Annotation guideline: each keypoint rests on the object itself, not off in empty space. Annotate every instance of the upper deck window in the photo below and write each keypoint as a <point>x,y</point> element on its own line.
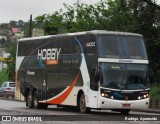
<point>122,47</point>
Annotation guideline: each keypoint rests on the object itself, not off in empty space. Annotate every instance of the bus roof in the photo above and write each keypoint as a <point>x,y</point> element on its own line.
<point>113,33</point>
<point>96,32</point>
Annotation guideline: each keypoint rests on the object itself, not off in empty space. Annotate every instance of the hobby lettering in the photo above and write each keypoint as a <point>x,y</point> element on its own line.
<point>48,54</point>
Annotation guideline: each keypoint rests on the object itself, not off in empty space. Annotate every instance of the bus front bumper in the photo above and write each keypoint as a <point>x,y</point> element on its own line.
<point>105,103</point>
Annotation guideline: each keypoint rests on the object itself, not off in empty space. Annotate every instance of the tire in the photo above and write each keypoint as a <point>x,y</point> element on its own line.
<point>125,111</point>
<point>36,104</point>
<point>35,101</point>
<point>26,101</point>
<point>29,100</point>
<point>82,105</point>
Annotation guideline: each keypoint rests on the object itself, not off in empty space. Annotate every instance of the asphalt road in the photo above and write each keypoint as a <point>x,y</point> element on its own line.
<point>19,112</point>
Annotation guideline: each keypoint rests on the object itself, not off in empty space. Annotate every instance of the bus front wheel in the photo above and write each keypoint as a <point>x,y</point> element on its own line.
<point>82,104</point>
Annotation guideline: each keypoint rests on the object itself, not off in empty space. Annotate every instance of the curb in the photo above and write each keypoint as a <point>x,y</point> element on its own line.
<point>149,110</point>
<point>10,99</point>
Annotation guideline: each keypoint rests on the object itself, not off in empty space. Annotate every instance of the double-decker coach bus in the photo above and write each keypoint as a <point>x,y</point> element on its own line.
<point>89,70</point>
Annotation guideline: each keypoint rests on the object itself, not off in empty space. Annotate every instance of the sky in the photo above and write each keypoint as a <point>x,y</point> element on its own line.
<point>22,9</point>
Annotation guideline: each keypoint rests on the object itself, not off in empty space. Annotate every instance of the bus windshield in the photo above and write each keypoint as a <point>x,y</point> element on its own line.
<point>124,76</point>
<point>122,47</point>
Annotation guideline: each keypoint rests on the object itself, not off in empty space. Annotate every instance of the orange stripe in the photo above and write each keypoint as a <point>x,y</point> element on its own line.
<point>62,97</point>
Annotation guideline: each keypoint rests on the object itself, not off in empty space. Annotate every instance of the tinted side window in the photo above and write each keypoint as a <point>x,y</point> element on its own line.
<point>68,45</point>
<point>26,48</point>
<point>20,48</point>
<point>58,78</point>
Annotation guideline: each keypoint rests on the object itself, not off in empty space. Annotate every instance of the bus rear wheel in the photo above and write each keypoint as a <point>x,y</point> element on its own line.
<point>30,100</point>
<point>82,104</point>
<point>36,104</point>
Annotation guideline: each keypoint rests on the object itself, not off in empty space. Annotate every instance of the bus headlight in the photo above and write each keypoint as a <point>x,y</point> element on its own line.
<point>145,96</point>
<point>104,94</point>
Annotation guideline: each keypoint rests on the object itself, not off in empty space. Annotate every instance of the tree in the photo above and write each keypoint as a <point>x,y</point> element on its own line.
<point>39,21</point>
<point>25,29</point>
<point>13,24</point>
<point>20,23</point>
<point>138,16</point>
<point>50,23</point>
<point>11,62</point>
<point>3,76</point>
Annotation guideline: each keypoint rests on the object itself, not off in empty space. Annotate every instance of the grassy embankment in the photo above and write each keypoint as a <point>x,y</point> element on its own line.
<point>155,96</point>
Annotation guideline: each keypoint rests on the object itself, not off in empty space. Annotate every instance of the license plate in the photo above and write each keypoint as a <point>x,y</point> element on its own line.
<point>126,105</point>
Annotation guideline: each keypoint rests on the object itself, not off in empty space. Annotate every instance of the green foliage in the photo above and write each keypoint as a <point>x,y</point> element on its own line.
<point>25,29</point>
<point>155,91</point>
<point>50,23</point>
<point>3,76</point>
<point>11,62</point>
<point>136,16</point>
<point>13,23</point>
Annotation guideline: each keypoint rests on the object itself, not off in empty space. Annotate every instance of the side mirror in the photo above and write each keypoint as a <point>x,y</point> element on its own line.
<point>151,76</point>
